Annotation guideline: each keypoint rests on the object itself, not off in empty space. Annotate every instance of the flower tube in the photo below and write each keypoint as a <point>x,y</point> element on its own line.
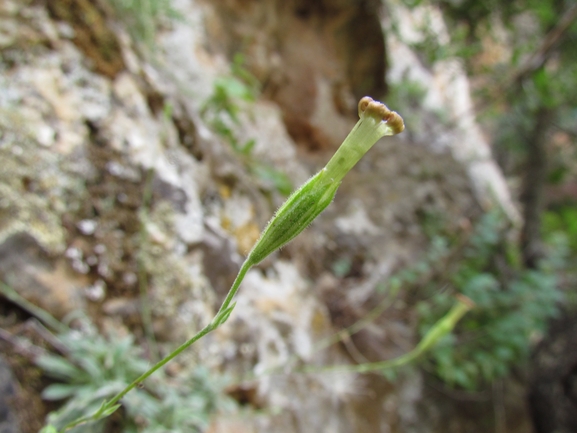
<point>307,202</point>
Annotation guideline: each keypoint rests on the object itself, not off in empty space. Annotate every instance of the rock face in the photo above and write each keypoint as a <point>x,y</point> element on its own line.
<point>111,176</point>
<point>8,418</point>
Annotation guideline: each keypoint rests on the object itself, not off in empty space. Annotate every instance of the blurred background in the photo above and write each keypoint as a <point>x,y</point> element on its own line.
<point>145,143</point>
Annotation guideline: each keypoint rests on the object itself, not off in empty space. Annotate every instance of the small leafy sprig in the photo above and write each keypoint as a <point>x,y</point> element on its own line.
<point>295,215</point>
<point>440,329</point>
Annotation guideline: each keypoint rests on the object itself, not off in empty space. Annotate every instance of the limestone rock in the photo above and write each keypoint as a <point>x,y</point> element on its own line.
<point>113,184</point>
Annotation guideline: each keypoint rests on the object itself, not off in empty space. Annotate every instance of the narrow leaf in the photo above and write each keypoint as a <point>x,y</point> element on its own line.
<point>58,391</point>
<point>59,367</point>
<point>110,411</point>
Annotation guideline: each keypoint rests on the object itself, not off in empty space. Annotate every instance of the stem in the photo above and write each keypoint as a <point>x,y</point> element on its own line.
<point>360,324</point>
<point>26,305</point>
<point>248,263</point>
<point>443,326</point>
<point>218,320</point>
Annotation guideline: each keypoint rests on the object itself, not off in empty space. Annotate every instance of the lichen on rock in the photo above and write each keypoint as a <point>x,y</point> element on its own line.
<point>31,188</point>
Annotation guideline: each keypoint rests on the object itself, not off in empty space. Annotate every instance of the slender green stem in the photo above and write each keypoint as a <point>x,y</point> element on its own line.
<point>248,263</point>
<point>443,327</point>
<point>109,404</point>
<point>220,317</point>
<point>359,324</point>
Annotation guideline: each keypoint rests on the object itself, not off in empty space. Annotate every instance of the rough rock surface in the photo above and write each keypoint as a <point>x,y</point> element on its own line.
<point>8,417</point>
<point>111,175</point>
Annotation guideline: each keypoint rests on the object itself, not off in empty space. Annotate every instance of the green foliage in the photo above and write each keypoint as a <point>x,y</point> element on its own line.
<point>562,221</point>
<point>513,305</point>
<point>143,17</point>
<point>271,176</point>
<point>535,72</point>
<point>421,269</point>
<point>183,406</point>
<point>231,95</point>
<point>408,96</point>
<point>560,232</point>
<point>96,368</point>
<point>529,88</point>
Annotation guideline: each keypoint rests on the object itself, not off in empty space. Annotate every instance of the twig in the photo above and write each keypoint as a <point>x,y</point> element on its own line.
<point>551,40</point>
<point>22,345</point>
<point>37,327</point>
<point>36,311</point>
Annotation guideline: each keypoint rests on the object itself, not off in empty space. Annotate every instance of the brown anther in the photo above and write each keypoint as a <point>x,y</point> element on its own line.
<point>379,110</point>
<point>371,107</point>
<point>395,121</point>
<point>364,103</point>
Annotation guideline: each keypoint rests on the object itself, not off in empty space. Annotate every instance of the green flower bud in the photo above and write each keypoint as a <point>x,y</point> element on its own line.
<point>300,209</point>
<point>306,203</point>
